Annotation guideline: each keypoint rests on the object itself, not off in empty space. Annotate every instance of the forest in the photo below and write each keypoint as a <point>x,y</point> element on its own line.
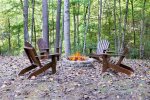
<point>74,49</point>
<point>119,21</point>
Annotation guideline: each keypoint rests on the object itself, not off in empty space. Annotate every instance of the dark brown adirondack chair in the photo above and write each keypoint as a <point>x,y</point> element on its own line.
<point>115,65</point>
<point>35,61</point>
<point>43,48</point>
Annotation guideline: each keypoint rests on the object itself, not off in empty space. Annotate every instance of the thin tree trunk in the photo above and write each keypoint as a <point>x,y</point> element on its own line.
<point>53,34</point>
<point>106,15</point>
<point>99,19</point>
<point>25,14</point>
<point>109,18</point>
<point>142,31</point>
<point>32,23</point>
<point>125,22</point>
<point>35,34</point>
<point>115,37</point>
<point>62,36</point>
<point>133,21</point>
<point>21,4</point>
<point>18,37</point>
<point>78,24</point>
<point>45,22</point>
<point>120,27</point>
<point>58,24</point>
<point>98,23</point>
<point>9,35</point>
<point>67,28</point>
<point>19,26</point>
<point>75,33</point>
<point>86,25</point>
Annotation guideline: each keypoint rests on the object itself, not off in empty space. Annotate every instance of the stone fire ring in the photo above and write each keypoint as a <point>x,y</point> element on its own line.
<point>69,63</point>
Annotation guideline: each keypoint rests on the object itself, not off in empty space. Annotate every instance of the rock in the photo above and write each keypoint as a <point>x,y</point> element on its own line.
<point>86,96</point>
<point>33,77</point>
<point>3,86</point>
<point>70,89</point>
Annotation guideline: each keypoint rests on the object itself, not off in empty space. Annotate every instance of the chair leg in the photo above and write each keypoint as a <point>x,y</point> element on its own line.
<point>27,69</point>
<point>127,67</point>
<point>105,63</point>
<point>41,70</point>
<point>58,58</point>
<point>54,61</point>
<point>120,69</point>
<point>53,68</point>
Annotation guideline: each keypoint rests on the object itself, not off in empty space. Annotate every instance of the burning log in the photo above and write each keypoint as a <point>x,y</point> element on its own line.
<point>77,57</point>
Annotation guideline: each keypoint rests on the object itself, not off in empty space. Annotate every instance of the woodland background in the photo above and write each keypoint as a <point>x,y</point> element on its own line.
<point>119,21</point>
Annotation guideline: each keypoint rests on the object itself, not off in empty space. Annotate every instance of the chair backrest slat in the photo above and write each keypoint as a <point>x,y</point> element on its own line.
<point>41,44</point>
<point>31,53</point>
<point>102,46</point>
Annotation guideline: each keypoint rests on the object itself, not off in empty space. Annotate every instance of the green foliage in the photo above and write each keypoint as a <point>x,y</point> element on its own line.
<point>134,53</point>
<point>147,49</point>
<point>12,10</point>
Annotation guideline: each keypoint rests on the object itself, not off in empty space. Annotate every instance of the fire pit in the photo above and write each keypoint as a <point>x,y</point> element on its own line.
<point>77,60</point>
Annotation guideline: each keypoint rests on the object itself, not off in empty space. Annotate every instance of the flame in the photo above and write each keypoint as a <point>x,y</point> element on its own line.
<point>77,57</point>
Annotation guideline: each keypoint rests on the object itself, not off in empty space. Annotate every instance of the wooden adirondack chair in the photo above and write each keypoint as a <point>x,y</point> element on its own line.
<point>107,63</point>
<point>102,47</point>
<point>43,48</point>
<point>35,61</point>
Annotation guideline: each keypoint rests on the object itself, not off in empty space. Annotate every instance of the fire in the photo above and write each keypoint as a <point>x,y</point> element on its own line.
<point>77,57</point>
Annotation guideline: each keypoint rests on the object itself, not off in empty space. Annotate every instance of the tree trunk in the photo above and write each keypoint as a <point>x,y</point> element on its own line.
<point>142,31</point>
<point>32,23</point>
<point>9,36</point>
<point>120,27</point>
<point>125,22</point>
<point>21,4</point>
<point>78,24</point>
<point>67,28</point>
<point>133,20</point>
<point>45,22</point>
<point>19,25</point>
<point>25,14</point>
<point>109,18</point>
<point>18,37</point>
<point>74,20</point>
<point>62,35</point>
<point>53,27</point>
<point>99,19</point>
<point>86,24</point>
<point>115,35</point>
<point>34,35</point>
<point>58,24</point>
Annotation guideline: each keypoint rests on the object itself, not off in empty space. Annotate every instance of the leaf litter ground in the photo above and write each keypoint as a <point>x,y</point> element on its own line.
<point>74,83</point>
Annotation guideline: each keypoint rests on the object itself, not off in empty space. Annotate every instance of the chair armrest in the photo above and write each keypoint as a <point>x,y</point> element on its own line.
<point>48,48</point>
<point>44,48</point>
<point>115,55</point>
<point>55,54</point>
<point>110,51</point>
<point>39,56</point>
<point>91,48</point>
<point>42,52</point>
<point>49,55</point>
<point>56,47</point>
<point>97,55</point>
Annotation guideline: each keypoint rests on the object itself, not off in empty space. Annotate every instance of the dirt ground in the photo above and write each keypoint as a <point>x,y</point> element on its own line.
<point>73,83</point>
